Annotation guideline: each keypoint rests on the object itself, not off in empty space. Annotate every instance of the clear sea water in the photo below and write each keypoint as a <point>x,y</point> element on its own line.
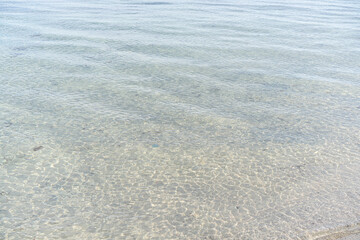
<point>183,119</point>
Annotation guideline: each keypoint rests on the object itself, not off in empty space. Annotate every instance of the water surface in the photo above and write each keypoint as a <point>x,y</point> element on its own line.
<point>179,120</point>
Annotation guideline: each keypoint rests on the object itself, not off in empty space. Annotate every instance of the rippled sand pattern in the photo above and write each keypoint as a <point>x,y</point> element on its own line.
<point>179,120</point>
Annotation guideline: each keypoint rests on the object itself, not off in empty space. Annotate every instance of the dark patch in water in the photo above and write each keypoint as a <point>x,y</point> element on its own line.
<point>7,124</point>
<point>38,148</point>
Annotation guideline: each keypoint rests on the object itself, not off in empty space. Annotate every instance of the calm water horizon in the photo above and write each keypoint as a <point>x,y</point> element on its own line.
<point>179,119</point>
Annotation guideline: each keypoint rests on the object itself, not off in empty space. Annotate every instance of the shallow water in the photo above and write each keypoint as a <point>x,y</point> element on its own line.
<point>179,120</point>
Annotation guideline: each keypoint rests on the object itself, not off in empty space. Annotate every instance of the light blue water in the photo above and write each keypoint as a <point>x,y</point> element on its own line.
<point>179,120</point>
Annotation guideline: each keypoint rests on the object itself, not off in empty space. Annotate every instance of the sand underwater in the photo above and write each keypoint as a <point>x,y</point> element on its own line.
<point>179,120</point>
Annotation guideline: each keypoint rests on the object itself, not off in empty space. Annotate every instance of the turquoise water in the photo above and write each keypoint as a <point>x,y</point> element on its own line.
<point>179,120</point>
